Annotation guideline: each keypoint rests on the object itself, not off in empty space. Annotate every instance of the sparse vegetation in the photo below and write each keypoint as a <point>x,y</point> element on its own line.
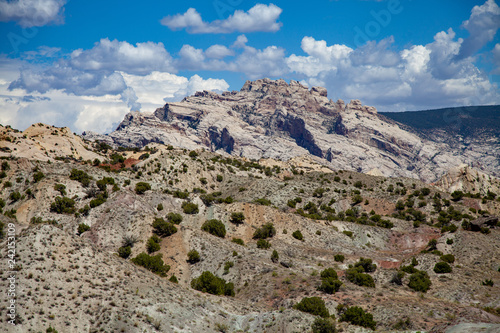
<point>209,283</point>
<point>63,205</point>
<point>263,244</point>
<point>124,252</point>
<point>190,208</point>
<point>339,258</point>
<point>193,256</point>
<point>313,305</point>
<point>163,228</point>
<point>297,235</point>
<point>330,283</point>
<point>153,263</point>
<point>266,231</point>
<point>153,244</point>
<point>238,241</point>
<point>419,281</point>
<point>442,267</point>
<point>174,218</point>
<point>237,217</point>
<point>214,227</point>
<point>80,176</point>
<point>323,325</point>
<point>142,187</point>
<point>82,227</point>
<point>356,316</point>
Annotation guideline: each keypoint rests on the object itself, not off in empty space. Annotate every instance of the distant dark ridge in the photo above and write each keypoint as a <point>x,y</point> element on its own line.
<point>466,120</point>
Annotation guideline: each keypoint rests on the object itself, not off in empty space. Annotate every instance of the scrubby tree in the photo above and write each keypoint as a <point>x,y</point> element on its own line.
<point>275,256</point>
<point>63,205</point>
<point>442,267</point>
<point>153,244</point>
<point>60,188</point>
<point>263,244</point>
<point>193,256</point>
<point>313,305</point>
<point>38,176</point>
<point>142,187</point>
<point>356,316</point>
<point>330,285</point>
<point>457,195</point>
<point>449,258</point>
<point>82,227</point>
<point>237,217</point>
<point>356,276</point>
<point>367,265</point>
<point>339,258</point>
<point>124,252</point>
<point>153,263</point>
<point>397,278</point>
<point>238,241</point>
<point>266,231</point>
<point>15,196</point>
<point>212,284</point>
<point>419,281</point>
<point>163,228</point>
<point>298,235</point>
<point>190,208</point>
<point>80,176</point>
<point>174,218</point>
<point>214,227</point>
<point>323,325</point>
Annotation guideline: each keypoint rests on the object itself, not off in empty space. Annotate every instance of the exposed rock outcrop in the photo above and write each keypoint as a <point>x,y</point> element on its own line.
<point>468,179</point>
<point>45,143</point>
<point>274,119</point>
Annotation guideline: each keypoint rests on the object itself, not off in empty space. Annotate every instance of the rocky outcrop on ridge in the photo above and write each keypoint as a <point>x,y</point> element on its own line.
<point>274,119</point>
<point>467,179</point>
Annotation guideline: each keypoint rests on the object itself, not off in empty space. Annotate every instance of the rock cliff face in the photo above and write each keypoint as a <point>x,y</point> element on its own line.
<point>274,119</point>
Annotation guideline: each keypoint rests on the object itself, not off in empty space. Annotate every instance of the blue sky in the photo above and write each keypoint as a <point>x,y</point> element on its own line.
<point>85,64</point>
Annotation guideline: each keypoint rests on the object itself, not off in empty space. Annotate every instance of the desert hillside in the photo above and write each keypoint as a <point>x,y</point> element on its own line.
<point>116,240</point>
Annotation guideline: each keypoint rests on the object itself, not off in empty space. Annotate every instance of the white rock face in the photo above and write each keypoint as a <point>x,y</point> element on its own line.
<point>273,119</point>
<point>467,179</point>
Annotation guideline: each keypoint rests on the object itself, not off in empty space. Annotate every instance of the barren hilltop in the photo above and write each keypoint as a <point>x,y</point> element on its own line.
<point>265,210</point>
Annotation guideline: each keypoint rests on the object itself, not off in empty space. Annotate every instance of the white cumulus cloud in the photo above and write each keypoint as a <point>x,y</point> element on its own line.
<point>258,18</point>
<point>32,13</point>
<point>482,27</point>
<point>87,96</point>
<point>113,55</point>
<point>496,59</point>
<point>218,52</point>
<point>421,76</point>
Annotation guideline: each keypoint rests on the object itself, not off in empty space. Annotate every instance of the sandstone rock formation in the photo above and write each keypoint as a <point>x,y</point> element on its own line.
<point>467,179</point>
<point>274,119</point>
<point>44,143</point>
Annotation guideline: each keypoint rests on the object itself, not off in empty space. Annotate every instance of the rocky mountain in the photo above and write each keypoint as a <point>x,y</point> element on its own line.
<point>274,119</point>
<point>472,130</point>
<point>166,239</point>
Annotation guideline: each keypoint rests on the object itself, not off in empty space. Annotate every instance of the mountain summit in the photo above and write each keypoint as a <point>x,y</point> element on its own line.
<point>280,120</point>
